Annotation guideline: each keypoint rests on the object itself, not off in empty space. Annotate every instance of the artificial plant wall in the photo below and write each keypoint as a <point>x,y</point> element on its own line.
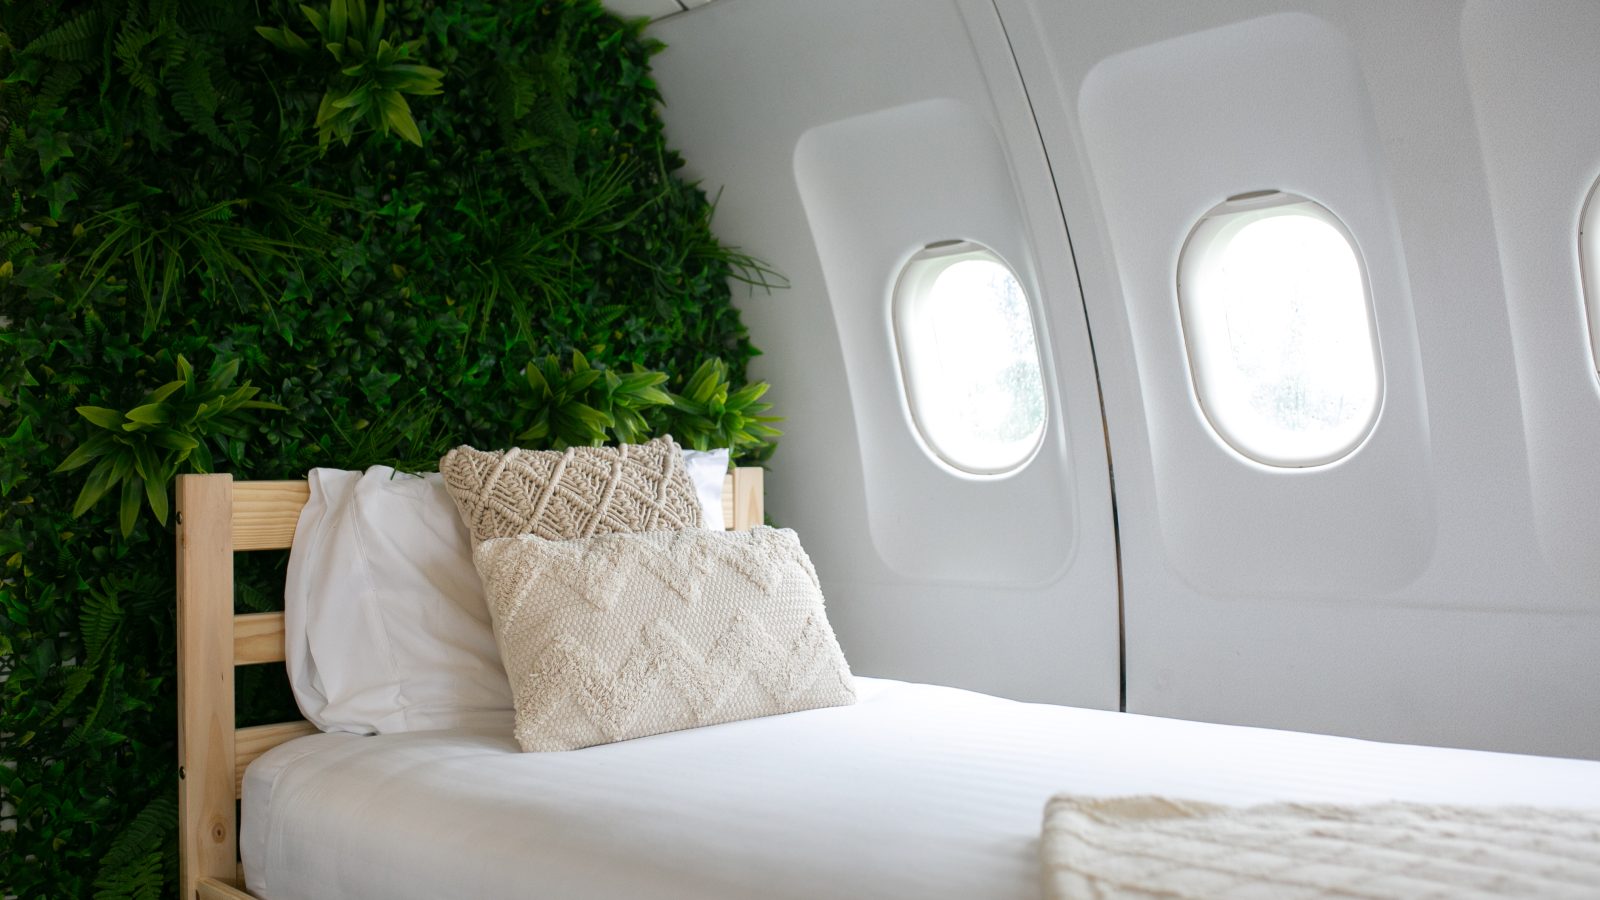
<point>258,237</point>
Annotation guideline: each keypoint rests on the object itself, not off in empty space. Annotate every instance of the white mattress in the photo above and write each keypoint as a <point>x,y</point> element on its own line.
<point>916,791</point>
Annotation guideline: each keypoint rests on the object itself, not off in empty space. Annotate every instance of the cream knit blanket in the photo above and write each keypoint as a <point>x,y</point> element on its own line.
<point>1149,847</point>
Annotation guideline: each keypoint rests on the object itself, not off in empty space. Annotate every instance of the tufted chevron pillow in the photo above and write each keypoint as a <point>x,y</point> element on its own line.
<point>624,635</point>
<point>573,493</point>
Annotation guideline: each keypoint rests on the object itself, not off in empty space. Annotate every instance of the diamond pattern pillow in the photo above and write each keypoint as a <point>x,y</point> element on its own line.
<point>573,493</point>
<point>625,635</point>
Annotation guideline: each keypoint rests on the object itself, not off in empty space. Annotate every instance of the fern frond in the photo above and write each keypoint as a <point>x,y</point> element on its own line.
<point>145,833</point>
<point>76,681</point>
<point>129,51</point>
<point>98,619</point>
<point>196,99</point>
<point>88,724</point>
<point>75,40</point>
<point>56,85</point>
<point>141,879</point>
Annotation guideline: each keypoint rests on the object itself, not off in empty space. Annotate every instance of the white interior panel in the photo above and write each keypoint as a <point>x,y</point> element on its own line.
<point>846,137</point>
<point>1172,129</point>
<point>1535,98</point>
<point>876,189</point>
<point>1429,587</point>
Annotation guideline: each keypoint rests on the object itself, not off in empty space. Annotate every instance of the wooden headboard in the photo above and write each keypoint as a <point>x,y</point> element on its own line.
<point>217,517</point>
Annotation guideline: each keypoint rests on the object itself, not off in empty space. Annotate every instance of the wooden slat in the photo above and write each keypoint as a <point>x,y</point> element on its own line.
<point>207,825</point>
<point>265,513</point>
<point>217,889</point>
<point>257,638</point>
<point>251,742</point>
<point>748,482</point>
<point>727,502</point>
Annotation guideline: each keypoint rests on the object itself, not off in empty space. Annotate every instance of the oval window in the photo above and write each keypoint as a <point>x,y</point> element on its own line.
<point>970,358</point>
<point>1589,263</point>
<point>1278,323</point>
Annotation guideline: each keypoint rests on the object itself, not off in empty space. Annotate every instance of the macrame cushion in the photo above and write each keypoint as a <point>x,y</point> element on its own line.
<point>573,493</point>
<point>625,635</point>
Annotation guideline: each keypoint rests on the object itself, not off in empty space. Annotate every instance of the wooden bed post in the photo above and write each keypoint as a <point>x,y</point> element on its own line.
<point>207,826</point>
<point>216,517</point>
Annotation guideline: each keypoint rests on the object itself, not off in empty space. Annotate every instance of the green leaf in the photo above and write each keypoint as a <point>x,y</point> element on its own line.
<point>284,39</point>
<point>52,147</point>
<point>156,493</point>
<point>536,381</point>
<point>398,116</point>
<point>132,496</point>
<point>104,418</point>
<point>94,487</point>
<point>90,450</point>
<point>149,414</point>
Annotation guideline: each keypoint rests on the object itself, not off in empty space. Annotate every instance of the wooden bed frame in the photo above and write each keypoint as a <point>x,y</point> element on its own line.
<point>216,518</point>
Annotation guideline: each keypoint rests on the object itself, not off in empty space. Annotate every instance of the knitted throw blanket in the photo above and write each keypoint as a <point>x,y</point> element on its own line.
<point>1149,847</point>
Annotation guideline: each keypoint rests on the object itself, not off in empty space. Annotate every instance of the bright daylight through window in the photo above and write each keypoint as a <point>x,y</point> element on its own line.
<point>1278,323</point>
<point>970,358</point>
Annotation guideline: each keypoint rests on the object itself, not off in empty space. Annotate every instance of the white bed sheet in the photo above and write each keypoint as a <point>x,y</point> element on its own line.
<point>914,792</point>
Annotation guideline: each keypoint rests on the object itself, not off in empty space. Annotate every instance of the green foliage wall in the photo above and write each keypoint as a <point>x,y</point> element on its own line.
<point>255,238</point>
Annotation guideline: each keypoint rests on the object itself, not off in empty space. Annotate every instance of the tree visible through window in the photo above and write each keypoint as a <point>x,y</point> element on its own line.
<point>1279,330</point>
<point>970,358</point>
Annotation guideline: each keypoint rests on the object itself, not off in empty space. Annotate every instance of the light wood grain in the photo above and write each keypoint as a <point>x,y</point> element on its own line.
<point>748,504</point>
<point>207,824</point>
<point>258,638</point>
<point>215,518</point>
<point>265,513</point>
<point>217,889</point>
<point>250,743</point>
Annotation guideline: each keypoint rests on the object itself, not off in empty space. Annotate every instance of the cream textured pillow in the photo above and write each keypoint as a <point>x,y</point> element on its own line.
<point>573,493</point>
<point>623,635</point>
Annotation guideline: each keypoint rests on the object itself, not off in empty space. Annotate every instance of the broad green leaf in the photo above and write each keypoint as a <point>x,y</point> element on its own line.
<point>284,39</point>
<point>317,20</point>
<point>132,496</point>
<point>165,391</point>
<point>94,487</point>
<point>172,440</point>
<point>222,376</point>
<point>536,381</point>
<point>94,448</point>
<point>105,418</point>
<point>398,115</point>
<point>149,414</point>
<point>747,395</point>
<point>156,492</point>
<point>587,414</point>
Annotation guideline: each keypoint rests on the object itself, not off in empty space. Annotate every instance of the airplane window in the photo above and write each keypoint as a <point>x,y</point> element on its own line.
<point>970,357</point>
<point>1278,323</point>
<point>1589,262</point>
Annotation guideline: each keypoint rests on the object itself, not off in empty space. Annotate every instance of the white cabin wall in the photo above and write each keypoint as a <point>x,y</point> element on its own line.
<point>846,137</point>
<point>1411,591</point>
<point>1439,585</point>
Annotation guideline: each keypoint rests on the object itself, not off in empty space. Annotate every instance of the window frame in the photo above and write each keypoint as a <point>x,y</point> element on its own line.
<point>913,284</point>
<point>1200,250</point>
<point>1589,269</point>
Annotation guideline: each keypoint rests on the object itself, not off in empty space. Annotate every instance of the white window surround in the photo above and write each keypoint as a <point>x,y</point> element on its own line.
<point>1589,266</point>
<point>968,348</point>
<point>1278,323</point>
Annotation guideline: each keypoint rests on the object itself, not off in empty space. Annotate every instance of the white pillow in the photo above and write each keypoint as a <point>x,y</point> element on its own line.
<point>708,469</point>
<point>386,628</point>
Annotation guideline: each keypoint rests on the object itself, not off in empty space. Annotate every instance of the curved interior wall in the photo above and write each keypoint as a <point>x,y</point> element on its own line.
<point>849,136</point>
<point>1438,585</point>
